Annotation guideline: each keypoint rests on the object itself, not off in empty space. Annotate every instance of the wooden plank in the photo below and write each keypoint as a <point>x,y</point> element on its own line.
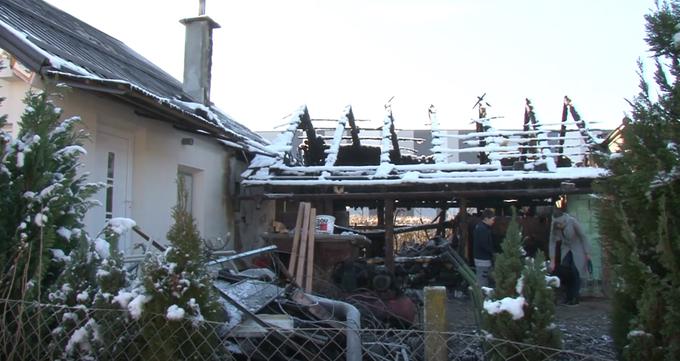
<point>296,238</point>
<point>302,254</point>
<point>389,234</point>
<point>310,251</point>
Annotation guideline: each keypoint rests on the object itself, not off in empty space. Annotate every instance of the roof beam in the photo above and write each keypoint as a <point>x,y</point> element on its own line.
<point>437,138</point>
<point>332,155</point>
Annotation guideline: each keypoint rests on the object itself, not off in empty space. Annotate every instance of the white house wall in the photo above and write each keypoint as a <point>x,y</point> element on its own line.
<point>13,90</point>
<point>157,154</point>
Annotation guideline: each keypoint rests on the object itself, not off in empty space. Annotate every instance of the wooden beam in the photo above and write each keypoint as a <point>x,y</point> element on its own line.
<point>300,268</point>
<point>356,142</point>
<point>389,234</point>
<point>431,195</point>
<point>464,234</point>
<point>310,251</point>
<point>296,238</point>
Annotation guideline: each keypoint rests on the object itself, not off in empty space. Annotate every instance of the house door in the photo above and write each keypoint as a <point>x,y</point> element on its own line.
<point>113,168</point>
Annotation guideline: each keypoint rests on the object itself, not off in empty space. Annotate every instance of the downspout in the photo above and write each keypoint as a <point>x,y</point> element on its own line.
<point>352,318</point>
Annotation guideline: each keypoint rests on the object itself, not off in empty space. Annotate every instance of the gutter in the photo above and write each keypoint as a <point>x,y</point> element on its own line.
<point>17,46</point>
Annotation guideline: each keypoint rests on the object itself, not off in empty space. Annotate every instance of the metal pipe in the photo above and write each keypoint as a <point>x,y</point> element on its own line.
<point>352,318</point>
<point>242,255</point>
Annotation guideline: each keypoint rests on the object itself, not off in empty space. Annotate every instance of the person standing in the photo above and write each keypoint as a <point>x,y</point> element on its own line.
<point>483,248</point>
<point>567,238</point>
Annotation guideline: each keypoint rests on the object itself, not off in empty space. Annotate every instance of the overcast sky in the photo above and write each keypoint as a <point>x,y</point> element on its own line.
<point>271,56</point>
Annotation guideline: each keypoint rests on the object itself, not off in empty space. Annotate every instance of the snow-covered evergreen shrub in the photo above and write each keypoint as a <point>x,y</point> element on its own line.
<point>93,323</point>
<point>176,296</point>
<point>640,201</point>
<point>43,200</point>
<point>521,307</point>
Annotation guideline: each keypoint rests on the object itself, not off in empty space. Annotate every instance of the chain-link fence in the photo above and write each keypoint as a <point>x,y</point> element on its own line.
<point>32,331</point>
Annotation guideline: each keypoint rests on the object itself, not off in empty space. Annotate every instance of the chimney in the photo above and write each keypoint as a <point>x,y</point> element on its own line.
<point>198,55</point>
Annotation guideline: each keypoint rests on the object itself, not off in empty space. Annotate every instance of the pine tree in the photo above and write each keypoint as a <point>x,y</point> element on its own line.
<point>178,296</point>
<point>638,214</point>
<point>43,199</point>
<point>521,306</point>
<point>92,277</point>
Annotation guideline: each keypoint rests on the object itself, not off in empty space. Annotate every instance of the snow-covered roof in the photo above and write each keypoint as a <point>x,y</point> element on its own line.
<point>532,157</point>
<point>58,45</point>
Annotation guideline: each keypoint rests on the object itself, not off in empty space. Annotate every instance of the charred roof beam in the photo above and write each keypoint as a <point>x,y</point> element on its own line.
<point>332,156</point>
<point>314,145</point>
<point>356,142</point>
<point>437,138</point>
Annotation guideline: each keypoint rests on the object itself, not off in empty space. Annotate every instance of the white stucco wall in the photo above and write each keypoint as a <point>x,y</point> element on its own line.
<point>13,90</point>
<point>156,153</point>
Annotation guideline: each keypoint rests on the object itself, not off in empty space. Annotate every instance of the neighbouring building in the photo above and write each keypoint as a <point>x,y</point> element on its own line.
<point>146,128</point>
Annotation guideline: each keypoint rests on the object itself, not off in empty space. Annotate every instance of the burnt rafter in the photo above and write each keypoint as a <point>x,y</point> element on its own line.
<point>530,124</point>
<point>354,129</point>
<point>333,152</point>
<point>480,125</point>
<point>437,136</point>
<point>524,158</point>
<point>395,153</point>
<point>313,146</point>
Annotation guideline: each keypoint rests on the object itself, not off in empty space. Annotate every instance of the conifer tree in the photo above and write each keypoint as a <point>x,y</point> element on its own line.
<point>91,279</point>
<point>178,295</point>
<point>521,306</point>
<point>43,200</point>
<point>641,197</point>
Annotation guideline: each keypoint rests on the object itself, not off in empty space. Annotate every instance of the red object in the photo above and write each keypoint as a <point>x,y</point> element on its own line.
<point>402,307</point>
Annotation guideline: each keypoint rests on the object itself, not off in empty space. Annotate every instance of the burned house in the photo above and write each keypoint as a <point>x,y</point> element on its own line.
<point>337,168</point>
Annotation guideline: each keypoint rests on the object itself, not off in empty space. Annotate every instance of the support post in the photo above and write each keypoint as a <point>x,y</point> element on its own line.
<point>389,234</point>
<point>435,323</point>
<point>463,246</point>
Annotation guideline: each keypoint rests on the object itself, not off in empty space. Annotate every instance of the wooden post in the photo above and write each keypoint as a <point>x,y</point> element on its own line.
<point>300,269</point>
<point>464,236</point>
<point>389,234</point>
<point>435,323</point>
<point>310,251</point>
<point>295,247</point>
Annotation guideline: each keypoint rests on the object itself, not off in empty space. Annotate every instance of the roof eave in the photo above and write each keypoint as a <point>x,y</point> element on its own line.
<point>25,53</point>
<point>141,99</point>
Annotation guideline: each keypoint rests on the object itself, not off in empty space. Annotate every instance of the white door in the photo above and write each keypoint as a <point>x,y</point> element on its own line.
<point>112,166</point>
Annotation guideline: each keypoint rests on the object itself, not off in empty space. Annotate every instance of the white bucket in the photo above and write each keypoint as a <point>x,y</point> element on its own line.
<point>325,224</point>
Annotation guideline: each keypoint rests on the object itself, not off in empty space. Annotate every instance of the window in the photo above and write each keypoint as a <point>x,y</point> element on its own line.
<point>186,179</point>
<point>109,185</point>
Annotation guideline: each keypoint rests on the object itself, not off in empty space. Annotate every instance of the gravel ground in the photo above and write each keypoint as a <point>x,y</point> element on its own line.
<point>585,327</point>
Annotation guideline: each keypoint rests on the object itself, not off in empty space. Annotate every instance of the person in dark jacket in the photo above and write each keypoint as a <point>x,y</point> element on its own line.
<point>483,248</point>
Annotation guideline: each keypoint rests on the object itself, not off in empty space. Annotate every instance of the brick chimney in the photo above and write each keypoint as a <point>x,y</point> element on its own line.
<point>198,55</point>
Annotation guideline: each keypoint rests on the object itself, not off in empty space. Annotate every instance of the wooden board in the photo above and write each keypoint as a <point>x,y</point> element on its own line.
<point>296,238</point>
<point>302,254</point>
<point>310,251</point>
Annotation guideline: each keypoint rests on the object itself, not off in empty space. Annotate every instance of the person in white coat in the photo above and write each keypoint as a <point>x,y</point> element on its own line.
<point>574,251</point>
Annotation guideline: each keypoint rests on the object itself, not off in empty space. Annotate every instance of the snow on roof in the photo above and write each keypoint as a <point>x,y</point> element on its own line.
<point>532,154</point>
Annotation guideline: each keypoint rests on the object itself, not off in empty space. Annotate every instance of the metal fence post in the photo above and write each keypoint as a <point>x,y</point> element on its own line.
<point>435,323</point>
